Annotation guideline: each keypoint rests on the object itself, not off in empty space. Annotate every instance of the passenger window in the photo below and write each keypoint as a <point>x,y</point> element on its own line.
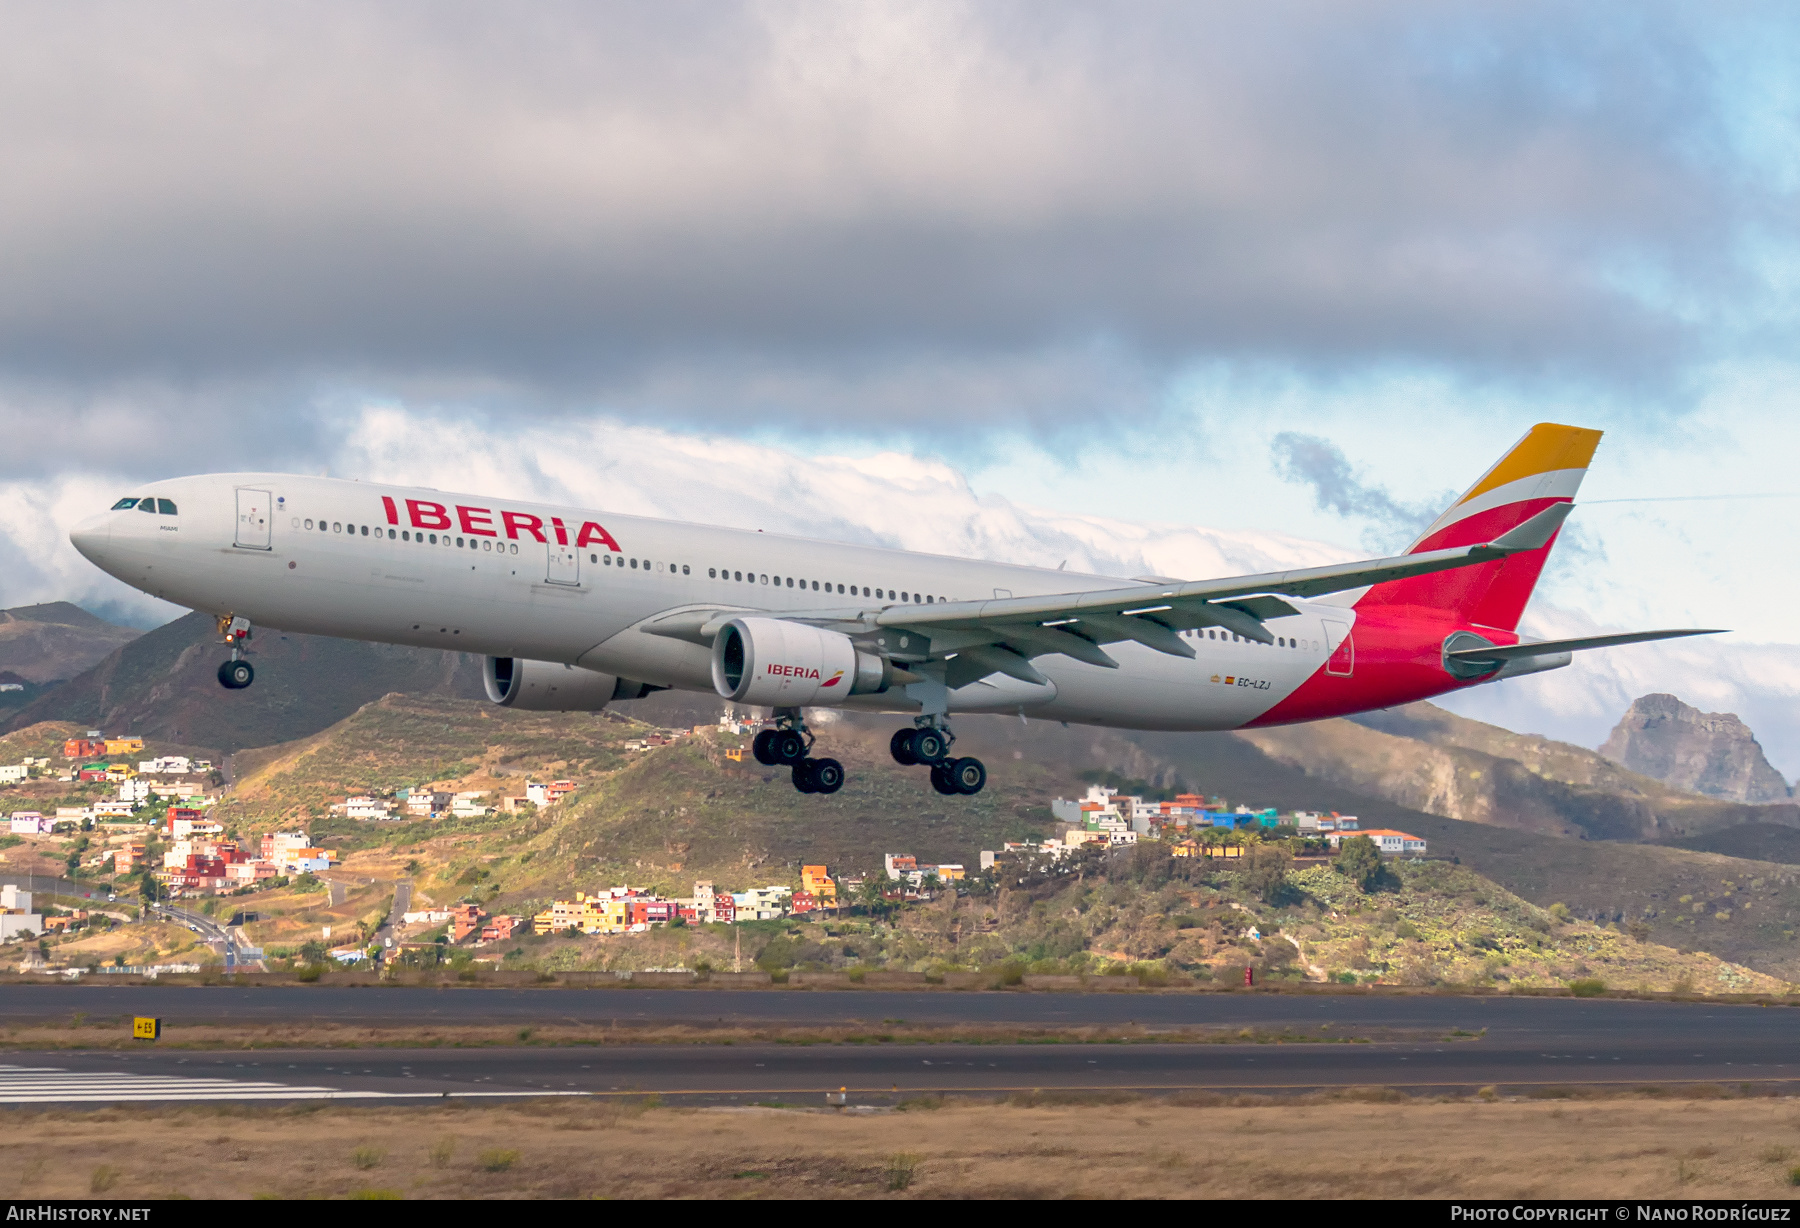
<point>790,582</point>
<point>365,530</point>
<point>122,504</point>
<point>390,535</point>
<point>166,506</point>
<point>737,575</point>
<point>336,527</point>
<point>593,558</point>
<point>634,564</point>
<point>434,539</point>
<point>712,573</point>
<point>684,569</point>
<point>309,523</point>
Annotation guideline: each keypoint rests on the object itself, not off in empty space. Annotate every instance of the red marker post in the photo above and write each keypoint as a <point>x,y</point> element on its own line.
<point>1249,975</point>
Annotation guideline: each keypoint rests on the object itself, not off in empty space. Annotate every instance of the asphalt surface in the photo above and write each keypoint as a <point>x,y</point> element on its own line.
<point>804,1074</point>
<point>1574,1020</point>
<point>1521,1043</point>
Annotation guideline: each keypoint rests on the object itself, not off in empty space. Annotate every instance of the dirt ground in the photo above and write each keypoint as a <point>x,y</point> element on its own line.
<point>1636,1147</point>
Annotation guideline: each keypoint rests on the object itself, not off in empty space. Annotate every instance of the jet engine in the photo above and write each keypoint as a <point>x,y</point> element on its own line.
<point>548,686</point>
<point>779,664</point>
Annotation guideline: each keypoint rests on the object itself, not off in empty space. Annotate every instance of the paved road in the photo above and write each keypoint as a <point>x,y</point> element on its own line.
<point>1562,1020</point>
<point>222,939</point>
<point>1527,1042</point>
<point>803,1074</point>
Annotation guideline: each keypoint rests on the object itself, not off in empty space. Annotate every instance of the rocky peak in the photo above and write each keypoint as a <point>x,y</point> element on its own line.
<point>1713,753</point>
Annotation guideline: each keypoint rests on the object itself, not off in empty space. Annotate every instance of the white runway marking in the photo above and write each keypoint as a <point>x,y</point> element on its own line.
<point>53,1085</point>
<point>47,1084</point>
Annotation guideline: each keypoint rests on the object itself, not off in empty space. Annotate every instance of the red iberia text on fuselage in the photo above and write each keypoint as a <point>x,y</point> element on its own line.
<point>479,522</point>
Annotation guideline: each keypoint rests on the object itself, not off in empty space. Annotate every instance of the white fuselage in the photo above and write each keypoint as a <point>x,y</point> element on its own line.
<point>506,578</point>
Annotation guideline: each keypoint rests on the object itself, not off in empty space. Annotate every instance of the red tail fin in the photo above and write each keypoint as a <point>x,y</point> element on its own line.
<point>1543,468</point>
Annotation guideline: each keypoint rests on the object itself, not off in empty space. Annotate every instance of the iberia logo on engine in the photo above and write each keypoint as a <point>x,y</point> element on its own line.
<point>831,681</point>
<point>793,671</point>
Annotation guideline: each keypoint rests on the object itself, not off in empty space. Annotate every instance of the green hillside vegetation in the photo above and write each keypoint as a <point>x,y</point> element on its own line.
<point>663,818</point>
<point>1139,912</point>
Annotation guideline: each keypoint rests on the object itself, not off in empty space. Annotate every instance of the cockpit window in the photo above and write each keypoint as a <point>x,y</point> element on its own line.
<point>147,505</point>
<point>166,506</point>
<point>122,504</point>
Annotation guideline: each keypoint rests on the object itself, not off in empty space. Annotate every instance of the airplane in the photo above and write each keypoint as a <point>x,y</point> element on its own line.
<point>575,609</point>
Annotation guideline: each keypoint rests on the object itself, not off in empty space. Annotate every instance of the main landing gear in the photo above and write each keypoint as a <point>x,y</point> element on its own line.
<point>930,744</point>
<point>235,674</point>
<point>789,743</point>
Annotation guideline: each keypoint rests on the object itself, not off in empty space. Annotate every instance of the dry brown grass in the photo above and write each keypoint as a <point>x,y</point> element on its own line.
<point>1635,1147</point>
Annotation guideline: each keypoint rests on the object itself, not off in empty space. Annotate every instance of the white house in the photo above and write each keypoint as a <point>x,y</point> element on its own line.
<point>28,823</point>
<point>16,918</point>
<point>13,773</point>
<point>1388,841</point>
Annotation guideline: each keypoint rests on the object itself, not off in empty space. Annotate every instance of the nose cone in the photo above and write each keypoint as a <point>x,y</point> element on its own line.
<point>91,536</point>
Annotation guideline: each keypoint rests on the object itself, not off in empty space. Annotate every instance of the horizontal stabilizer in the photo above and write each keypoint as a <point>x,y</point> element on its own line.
<point>1513,652</point>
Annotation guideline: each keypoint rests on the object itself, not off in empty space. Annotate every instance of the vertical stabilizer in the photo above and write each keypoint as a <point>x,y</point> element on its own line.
<point>1543,468</point>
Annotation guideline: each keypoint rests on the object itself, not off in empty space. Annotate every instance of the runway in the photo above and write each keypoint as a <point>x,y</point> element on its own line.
<point>1520,1043</point>
<point>1563,1020</point>
<point>882,1073</point>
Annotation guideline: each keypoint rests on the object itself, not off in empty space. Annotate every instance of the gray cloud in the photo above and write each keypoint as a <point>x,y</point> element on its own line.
<point>1321,464</point>
<point>943,215</point>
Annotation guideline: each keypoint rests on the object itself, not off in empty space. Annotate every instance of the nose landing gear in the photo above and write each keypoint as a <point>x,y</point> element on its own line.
<point>788,743</point>
<point>930,744</point>
<point>235,674</point>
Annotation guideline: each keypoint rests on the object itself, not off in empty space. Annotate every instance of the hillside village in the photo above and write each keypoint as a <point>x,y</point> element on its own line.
<point>396,875</point>
<point>392,820</point>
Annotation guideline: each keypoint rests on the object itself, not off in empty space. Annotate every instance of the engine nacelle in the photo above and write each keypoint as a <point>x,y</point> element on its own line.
<point>548,686</point>
<point>779,664</point>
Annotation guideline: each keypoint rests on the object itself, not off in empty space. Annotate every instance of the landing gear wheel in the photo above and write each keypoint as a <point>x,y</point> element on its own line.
<point>803,777</point>
<point>788,745</point>
<point>236,675</point>
<point>928,745</point>
<point>900,747</point>
<point>763,747</point>
<point>942,780</point>
<point>827,775</point>
<point>968,775</point>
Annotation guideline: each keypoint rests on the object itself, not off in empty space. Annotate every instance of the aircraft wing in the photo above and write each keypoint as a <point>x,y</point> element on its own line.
<point>974,639</point>
<point>1002,635</point>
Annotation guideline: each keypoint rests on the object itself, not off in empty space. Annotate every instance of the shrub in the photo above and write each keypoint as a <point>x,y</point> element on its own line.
<point>367,1157</point>
<point>103,1179</point>
<point>1360,861</point>
<point>442,1150</point>
<point>498,1161</point>
<point>375,1195</point>
<point>1406,929</point>
<point>900,1170</point>
<point>1587,987</point>
<point>309,975</point>
<point>1794,1176</point>
<point>1559,912</point>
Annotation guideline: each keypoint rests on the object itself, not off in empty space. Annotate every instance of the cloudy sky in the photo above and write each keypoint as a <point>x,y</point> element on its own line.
<point>1187,287</point>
